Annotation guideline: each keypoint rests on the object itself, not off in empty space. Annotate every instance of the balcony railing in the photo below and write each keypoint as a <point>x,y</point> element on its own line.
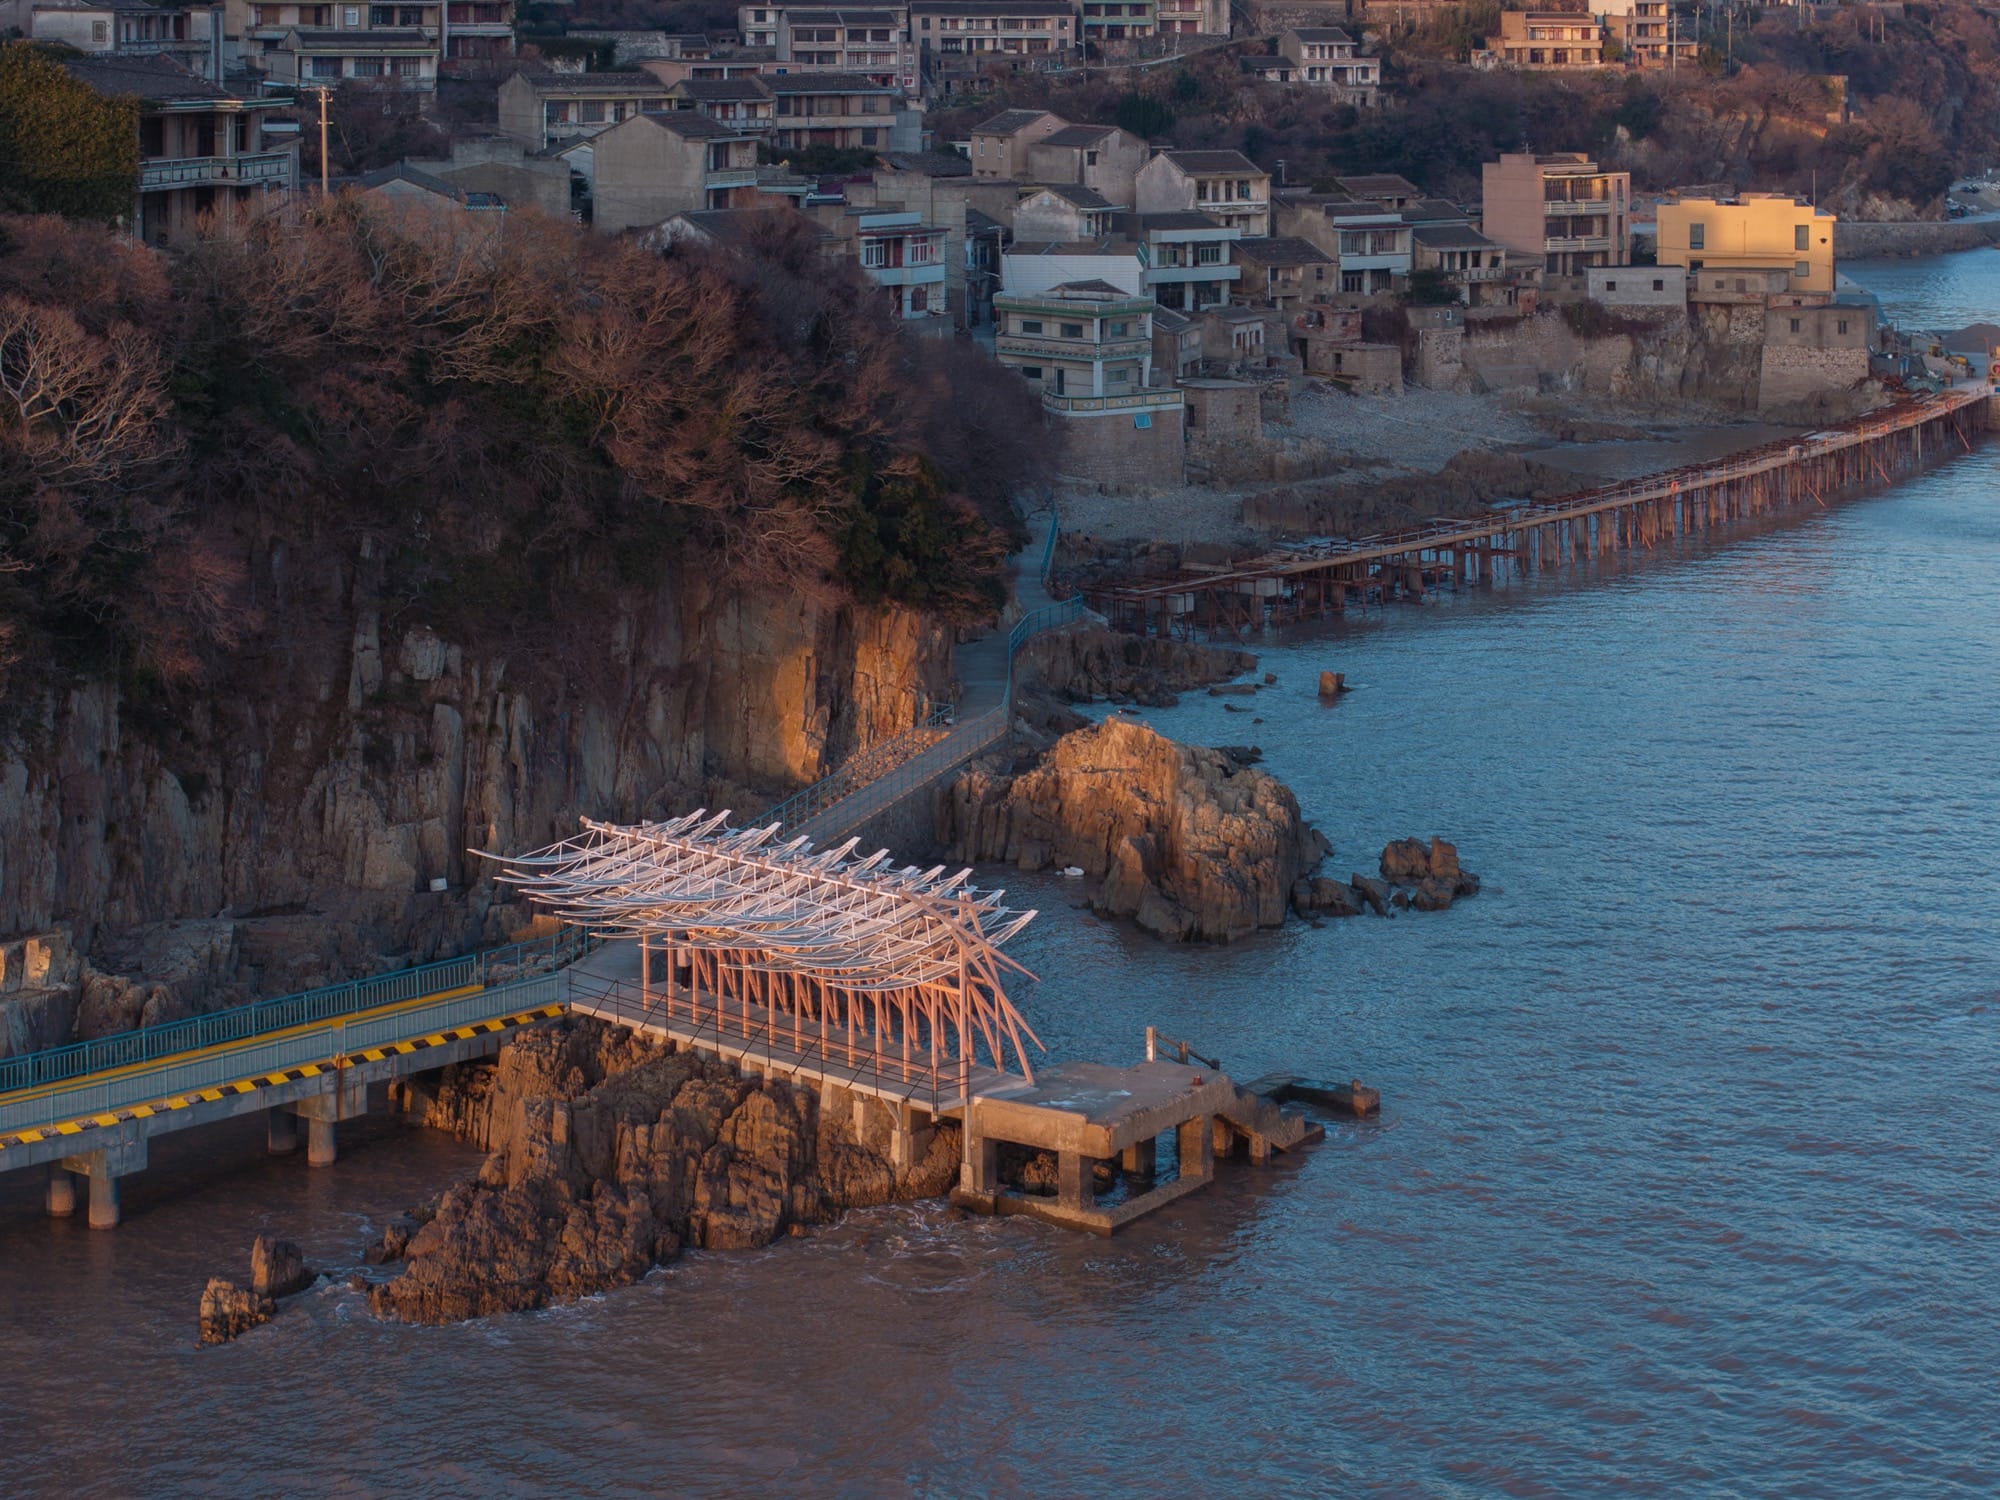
<point>1137,401</point>
<point>200,171</point>
<point>731,177</point>
<point>1058,348</point>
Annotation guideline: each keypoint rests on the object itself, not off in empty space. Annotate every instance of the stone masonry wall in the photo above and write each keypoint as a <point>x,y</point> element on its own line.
<point>1109,450</point>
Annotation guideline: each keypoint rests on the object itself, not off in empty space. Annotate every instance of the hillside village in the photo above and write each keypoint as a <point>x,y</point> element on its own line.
<point>1166,302</point>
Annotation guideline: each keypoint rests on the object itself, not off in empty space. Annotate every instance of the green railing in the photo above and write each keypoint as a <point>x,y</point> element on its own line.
<point>55,1065</point>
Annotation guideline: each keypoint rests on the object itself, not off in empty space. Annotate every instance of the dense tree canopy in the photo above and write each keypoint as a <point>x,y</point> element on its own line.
<point>521,421</point>
<point>64,149</point>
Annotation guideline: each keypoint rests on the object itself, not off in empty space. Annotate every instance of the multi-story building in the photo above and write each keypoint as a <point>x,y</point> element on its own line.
<point>1373,243</point>
<point>653,166</point>
<point>1191,17</point>
<point>202,148</point>
<point>872,43</point>
<point>1028,267</point>
<point>1190,257</point>
<point>1063,213</point>
<point>388,57</point>
<point>1649,34</point>
<point>1324,57</point>
<point>1284,272</point>
<point>543,109</point>
<point>478,36</point>
<point>190,34</point>
<point>1077,339</point>
<point>758,24</point>
<point>1113,23</point>
<point>1561,207</point>
<point>974,29</point>
<point>1757,231</point>
<point>1100,157</point>
<point>1465,258</point>
<point>904,256</point>
<point>1225,185</point>
<point>746,105</point>
<point>1000,145</point>
<point>842,110</point>
<point>1547,39</point>
<point>1386,188</point>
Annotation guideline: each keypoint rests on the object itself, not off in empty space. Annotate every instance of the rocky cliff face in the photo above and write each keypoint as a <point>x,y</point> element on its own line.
<point>1191,843</point>
<point>304,813</point>
<point>610,1154</point>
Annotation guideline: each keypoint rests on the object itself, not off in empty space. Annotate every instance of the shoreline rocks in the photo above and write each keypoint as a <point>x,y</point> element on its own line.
<point>1189,842</point>
<point>610,1154</point>
<point>277,1269</point>
<point>1415,874</point>
<point>1094,663</point>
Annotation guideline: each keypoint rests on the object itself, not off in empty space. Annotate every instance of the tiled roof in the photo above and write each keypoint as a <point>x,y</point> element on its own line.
<point>1332,34</point>
<point>721,90</point>
<point>1077,135</point>
<point>1009,122</point>
<point>589,83</point>
<point>1434,211</point>
<point>1073,247</point>
<point>1387,184</point>
<point>1451,237</point>
<point>929,163</point>
<point>1186,220</point>
<point>737,226</point>
<point>1078,194</point>
<point>1214,161</point>
<point>1282,252</point>
<point>827,83</point>
<point>690,126</point>
<point>156,78</point>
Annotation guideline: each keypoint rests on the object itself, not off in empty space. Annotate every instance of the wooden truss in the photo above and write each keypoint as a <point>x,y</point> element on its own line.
<point>827,948</point>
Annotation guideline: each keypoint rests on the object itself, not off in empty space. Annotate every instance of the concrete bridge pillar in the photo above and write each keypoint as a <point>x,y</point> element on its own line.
<point>322,1150</point>
<point>62,1191</point>
<point>281,1132</point>
<point>1140,1159</point>
<point>1074,1185</point>
<point>909,1140</point>
<point>104,1168</point>
<point>1197,1148</point>
<point>979,1168</point>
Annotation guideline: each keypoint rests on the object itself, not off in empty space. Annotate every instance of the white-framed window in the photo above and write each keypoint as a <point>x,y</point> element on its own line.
<point>1031,325</point>
<point>874,254</point>
<point>1803,269</point>
<point>920,252</point>
<point>351,16</point>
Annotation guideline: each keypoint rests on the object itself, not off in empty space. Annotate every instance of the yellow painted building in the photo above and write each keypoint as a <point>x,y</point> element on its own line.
<point>1758,231</point>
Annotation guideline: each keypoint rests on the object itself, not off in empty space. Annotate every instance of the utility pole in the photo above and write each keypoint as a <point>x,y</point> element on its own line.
<point>322,140</point>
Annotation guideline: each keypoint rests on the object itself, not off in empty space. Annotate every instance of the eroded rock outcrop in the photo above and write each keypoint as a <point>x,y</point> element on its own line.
<point>277,1269</point>
<point>1188,842</point>
<point>1093,662</point>
<point>609,1154</point>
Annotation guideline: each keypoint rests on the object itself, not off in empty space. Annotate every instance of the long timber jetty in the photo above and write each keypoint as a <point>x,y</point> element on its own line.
<point>1279,587</point>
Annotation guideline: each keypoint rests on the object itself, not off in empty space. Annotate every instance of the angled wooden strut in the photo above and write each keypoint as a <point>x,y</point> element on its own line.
<point>911,958</point>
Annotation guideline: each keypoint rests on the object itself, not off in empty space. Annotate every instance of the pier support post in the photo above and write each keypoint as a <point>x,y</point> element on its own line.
<point>103,1201</point>
<point>1140,1159</point>
<point>281,1132</point>
<point>62,1192</point>
<point>322,1150</point>
<point>979,1171</point>
<point>1197,1141</point>
<point>1222,1138</point>
<point>1074,1188</point>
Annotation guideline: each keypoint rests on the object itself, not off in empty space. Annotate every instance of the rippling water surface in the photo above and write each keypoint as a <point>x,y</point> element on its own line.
<point>1684,1184</point>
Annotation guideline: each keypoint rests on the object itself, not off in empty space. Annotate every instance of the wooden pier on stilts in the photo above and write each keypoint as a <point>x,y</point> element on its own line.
<point>1281,587</point>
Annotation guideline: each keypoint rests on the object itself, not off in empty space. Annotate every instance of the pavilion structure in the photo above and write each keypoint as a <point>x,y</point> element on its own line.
<point>829,961</point>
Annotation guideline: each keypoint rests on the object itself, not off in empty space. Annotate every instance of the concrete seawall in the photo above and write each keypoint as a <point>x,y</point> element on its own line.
<point>1922,237</point>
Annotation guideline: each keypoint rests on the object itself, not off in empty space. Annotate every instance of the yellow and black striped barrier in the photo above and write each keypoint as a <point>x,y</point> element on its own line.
<point>218,1092</point>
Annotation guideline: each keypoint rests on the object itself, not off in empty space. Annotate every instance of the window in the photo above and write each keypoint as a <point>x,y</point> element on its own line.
<point>868,137</point>
<point>593,111</point>
<point>1090,158</point>
<point>381,15</point>
<point>1802,236</point>
<point>409,67</point>
<point>921,252</point>
<point>1610,286</point>
<point>1208,255</point>
<point>1697,236</point>
<point>1795,325</point>
<point>1072,330</point>
<point>874,253</point>
<point>1031,325</point>
<point>100,33</point>
<point>367,67</point>
<point>1659,285</point>
<point>1031,372</point>
<point>1841,326</point>
<point>326,67</point>
<point>1119,375</point>
<point>1803,270</point>
<point>1119,330</point>
<point>351,16</point>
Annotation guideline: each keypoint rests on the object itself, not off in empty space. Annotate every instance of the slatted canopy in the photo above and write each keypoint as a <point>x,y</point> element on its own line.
<point>852,926</point>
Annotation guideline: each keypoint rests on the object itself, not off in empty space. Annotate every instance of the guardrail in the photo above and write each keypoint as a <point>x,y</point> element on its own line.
<point>253,1059</point>
<point>862,770</point>
<point>242,1023</point>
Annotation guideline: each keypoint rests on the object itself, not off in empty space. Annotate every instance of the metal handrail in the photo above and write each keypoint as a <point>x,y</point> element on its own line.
<point>255,1058</point>
<point>76,1060</point>
<point>861,770</point>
